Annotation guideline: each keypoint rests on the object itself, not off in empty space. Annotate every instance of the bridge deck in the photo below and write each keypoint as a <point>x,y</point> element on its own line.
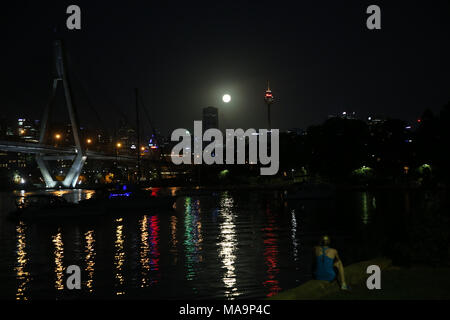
<point>54,153</point>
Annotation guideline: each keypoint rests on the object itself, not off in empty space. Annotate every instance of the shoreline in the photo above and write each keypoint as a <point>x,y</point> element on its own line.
<point>419,282</point>
<point>268,186</point>
<point>355,274</point>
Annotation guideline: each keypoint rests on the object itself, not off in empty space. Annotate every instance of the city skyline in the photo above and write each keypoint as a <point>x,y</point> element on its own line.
<point>224,153</point>
<point>319,60</point>
<point>11,127</point>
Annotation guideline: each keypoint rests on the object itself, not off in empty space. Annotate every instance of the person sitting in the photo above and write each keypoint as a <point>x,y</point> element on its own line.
<point>326,260</point>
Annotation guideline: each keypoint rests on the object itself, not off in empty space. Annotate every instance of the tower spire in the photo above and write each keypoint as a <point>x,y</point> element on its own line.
<point>268,98</point>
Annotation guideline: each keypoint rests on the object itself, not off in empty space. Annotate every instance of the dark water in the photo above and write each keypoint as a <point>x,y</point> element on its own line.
<point>222,245</point>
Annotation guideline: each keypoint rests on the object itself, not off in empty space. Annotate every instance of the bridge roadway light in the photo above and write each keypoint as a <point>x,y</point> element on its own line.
<point>118,146</point>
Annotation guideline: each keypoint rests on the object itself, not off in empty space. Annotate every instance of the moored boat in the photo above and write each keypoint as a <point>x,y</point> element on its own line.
<point>128,198</point>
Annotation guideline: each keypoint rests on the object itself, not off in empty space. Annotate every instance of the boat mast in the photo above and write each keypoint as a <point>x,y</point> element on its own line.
<point>138,138</point>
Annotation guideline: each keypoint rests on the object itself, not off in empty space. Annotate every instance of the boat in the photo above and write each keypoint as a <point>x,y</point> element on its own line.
<point>126,197</point>
<point>105,201</point>
<point>46,205</point>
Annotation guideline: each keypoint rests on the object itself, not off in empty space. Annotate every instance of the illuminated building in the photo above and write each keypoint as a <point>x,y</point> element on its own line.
<point>28,130</point>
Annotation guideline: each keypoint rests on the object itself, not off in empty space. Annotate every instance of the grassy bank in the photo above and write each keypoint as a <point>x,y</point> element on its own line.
<point>419,282</point>
<point>316,289</point>
<point>397,283</point>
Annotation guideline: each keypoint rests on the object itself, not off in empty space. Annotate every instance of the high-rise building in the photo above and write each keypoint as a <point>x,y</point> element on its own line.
<point>5,128</point>
<point>127,136</point>
<point>210,118</point>
<point>28,130</point>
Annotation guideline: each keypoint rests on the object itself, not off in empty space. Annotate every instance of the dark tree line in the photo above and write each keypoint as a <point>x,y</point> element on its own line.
<point>391,150</point>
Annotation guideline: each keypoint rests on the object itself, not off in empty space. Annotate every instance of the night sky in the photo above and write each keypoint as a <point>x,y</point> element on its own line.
<point>318,55</point>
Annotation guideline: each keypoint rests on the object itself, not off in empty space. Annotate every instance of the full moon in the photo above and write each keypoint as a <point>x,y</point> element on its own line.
<point>226,98</point>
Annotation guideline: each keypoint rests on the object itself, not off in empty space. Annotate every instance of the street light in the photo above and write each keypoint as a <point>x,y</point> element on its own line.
<point>118,146</point>
<point>89,141</point>
<point>57,138</point>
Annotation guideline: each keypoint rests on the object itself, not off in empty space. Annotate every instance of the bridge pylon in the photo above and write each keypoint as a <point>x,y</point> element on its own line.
<point>72,176</point>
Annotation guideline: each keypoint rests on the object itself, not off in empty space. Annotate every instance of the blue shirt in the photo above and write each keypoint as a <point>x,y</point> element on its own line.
<point>324,267</point>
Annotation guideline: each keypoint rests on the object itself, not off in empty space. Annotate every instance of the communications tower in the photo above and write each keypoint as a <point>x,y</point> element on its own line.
<point>268,98</point>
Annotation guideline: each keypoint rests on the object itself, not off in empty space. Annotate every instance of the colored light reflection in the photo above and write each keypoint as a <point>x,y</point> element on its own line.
<point>149,250</point>
<point>173,238</point>
<point>155,191</point>
<point>154,243</point>
<point>294,235</point>
<point>119,257</point>
<point>144,251</point>
<point>22,276</point>
<point>193,238</point>
<point>59,257</point>
<point>73,195</point>
<point>119,195</point>
<point>174,190</point>
<point>368,205</point>
<point>271,254</point>
<point>227,245</point>
<point>88,194</point>
<point>365,209</point>
<point>60,193</point>
<point>90,259</point>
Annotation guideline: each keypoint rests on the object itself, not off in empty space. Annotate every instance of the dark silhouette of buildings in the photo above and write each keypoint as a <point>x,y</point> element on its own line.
<point>210,118</point>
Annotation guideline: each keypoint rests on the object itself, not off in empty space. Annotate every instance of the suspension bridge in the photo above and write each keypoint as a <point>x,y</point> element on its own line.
<point>44,152</point>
